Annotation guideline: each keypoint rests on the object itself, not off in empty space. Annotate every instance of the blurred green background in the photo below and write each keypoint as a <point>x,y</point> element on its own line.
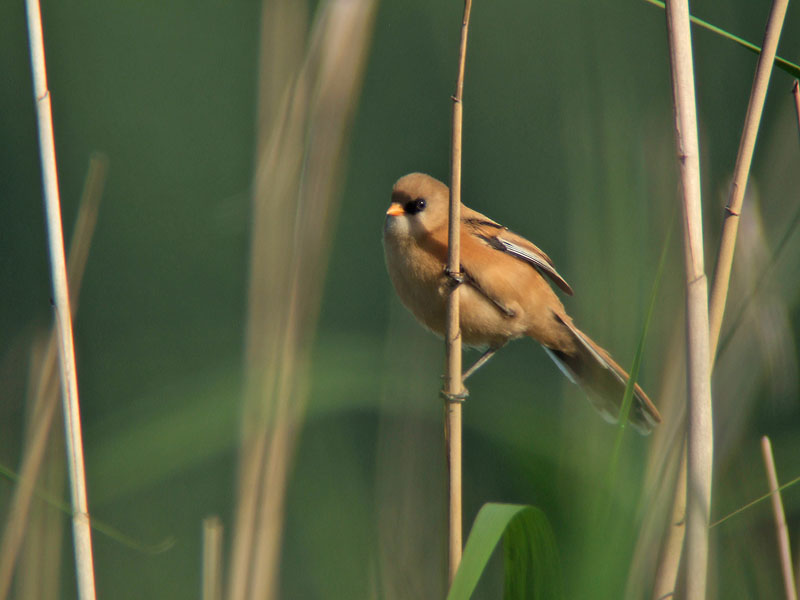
<point>567,139</point>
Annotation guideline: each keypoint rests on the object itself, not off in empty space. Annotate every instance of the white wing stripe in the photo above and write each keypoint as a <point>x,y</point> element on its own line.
<point>561,366</point>
<point>522,253</point>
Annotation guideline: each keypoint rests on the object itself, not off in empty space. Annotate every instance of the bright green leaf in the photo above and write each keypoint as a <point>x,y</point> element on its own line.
<point>531,558</point>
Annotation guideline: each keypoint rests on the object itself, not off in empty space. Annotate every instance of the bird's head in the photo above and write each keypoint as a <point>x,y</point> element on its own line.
<point>419,205</point>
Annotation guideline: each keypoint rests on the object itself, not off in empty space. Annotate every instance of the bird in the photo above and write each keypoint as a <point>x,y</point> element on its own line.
<point>504,295</point>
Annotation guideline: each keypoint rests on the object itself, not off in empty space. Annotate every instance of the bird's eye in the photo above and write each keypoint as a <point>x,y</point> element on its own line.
<point>415,206</point>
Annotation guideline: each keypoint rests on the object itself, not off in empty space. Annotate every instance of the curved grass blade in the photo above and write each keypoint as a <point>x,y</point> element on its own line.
<point>783,64</point>
<point>531,558</point>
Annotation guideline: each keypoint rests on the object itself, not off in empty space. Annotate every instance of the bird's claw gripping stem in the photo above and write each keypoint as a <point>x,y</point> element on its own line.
<point>456,278</point>
<point>455,398</point>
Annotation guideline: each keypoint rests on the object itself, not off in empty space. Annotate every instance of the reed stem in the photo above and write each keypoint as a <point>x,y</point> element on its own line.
<point>700,430</point>
<point>782,531</point>
<point>454,386</point>
<point>82,536</point>
<point>747,144</point>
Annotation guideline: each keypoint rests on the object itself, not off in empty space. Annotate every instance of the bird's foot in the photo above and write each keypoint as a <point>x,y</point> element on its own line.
<point>455,398</point>
<point>454,278</point>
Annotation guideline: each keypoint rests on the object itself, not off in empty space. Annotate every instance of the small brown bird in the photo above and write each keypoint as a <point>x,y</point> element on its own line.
<point>504,294</point>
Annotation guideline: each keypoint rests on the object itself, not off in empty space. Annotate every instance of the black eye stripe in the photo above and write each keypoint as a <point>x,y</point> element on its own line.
<point>412,207</point>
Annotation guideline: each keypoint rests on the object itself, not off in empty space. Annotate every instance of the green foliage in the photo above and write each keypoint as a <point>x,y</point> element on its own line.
<point>637,359</point>
<point>532,567</point>
<point>568,140</point>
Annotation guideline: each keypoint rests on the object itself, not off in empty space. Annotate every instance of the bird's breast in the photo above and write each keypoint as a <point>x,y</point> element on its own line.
<point>419,280</point>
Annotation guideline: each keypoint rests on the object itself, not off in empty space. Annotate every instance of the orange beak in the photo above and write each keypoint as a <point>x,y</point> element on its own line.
<point>395,209</point>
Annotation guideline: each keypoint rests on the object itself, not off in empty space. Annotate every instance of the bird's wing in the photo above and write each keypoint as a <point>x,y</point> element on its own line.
<point>500,238</point>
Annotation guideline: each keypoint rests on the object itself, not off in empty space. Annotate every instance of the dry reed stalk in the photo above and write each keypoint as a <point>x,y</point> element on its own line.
<point>665,455</point>
<point>212,558</point>
<point>667,571</point>
<point>38,571</point>
<point>296,183</point>
<point>454,386</point>
<point>700,431</point>
<point>719,289</point>
<point>280,57</point>
<point>796,94</point>
<point>82,534</point>
<point>44,395</point>
<point>784,548</point>
<point>730,225</point>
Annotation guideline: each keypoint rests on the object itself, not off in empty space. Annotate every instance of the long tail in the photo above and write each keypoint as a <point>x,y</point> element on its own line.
<point>604,380</point>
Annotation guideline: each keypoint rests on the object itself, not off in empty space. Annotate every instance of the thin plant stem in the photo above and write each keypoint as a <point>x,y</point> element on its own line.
<point>454,386</point>
<point>44,397</point>
<point>788,67</point>
<point>730,225</point>
<point>700,431</point>
<point>796,94</point>
<point>82,534</point>
<point>667,571</point>
<point>784,548</point>
<point>727,243</point>
<point>763,276</point>
<point>649,568</point>
<point>212,558</point>
<point>304,120</point>
<point>752,503</point>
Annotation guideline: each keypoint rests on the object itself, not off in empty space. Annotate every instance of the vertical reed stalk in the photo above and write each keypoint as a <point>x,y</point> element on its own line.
<point>663,502</point>
<point>667,572</point>
<point>796,94</point>
<point>306,107</point>
<point>700,431</point>
<point>212,558</point>
<point>454,387</point>
<point>719,288</point>
<point>44,395</point>
<point>730,226</point>
<point>82,536</point>
<point>784,548</point>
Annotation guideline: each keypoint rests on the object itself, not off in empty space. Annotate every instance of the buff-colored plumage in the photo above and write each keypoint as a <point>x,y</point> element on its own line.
<point>504,294</point>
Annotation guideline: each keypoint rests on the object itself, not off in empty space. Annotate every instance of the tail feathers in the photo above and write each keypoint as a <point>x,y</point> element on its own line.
<point>604,381</point>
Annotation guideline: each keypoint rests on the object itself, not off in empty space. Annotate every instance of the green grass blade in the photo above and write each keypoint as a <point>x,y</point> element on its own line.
<point>531,555</point>
<point>754,502</point>
<point>96,525</point>
<point>637,360</point>
<point>783,64</point>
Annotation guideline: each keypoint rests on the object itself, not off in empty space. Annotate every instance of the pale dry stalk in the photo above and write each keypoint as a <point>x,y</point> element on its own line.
<point>298,167</point>
<point>667,572</point>
<point>82,535</point>
<point>747,144</point>
<point>784,548</point>
<point>719,288</point>
<point>44,395</point>
<point>796,94</point>
<point>454,386</point>
<point>700,432</point>
<point>662,488</point>
<point>212,558</point>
